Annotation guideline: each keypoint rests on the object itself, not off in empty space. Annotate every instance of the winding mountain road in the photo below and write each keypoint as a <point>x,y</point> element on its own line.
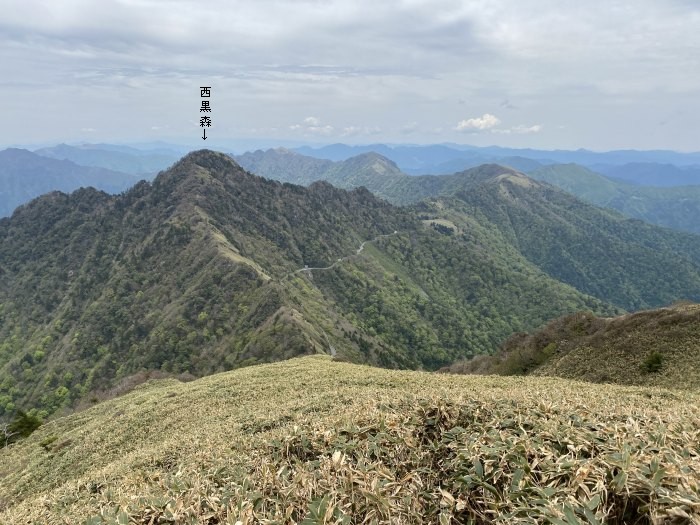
<point>331,348</point>
<point>358,252</point>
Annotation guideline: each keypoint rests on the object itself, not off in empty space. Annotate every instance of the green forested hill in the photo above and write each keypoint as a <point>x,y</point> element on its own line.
<point>198,272</point>
<point>676,207</point>
<point>623,261</point>
<point>284,165</point>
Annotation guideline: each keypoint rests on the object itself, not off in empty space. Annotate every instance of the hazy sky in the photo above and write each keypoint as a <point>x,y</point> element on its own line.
<point>527,73</point>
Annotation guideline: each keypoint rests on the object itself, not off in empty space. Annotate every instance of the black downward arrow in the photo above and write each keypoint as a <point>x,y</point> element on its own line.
<point>204,131</point>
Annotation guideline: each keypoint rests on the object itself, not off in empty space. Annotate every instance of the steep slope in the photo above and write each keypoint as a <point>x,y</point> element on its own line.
<point>673,207</point>
<point>622,261</point>
<point>313,441</point>
<point>25,175</point>
<point>652,348</point>
<point>128,160</point>
<point>202,271</point>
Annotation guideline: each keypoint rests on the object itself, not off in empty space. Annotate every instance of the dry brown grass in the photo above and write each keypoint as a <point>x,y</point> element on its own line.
<point>313,441</point>
<point>605,350</point>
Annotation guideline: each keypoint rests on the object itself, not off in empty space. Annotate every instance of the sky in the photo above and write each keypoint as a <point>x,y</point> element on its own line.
<point>548,74</point>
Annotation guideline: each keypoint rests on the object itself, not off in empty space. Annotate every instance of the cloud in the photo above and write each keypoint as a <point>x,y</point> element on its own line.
<point>272,63</point>
<point>312,121</point>
<point>484,122</point>
<point>312,126</point>
<point>352,131</point>
<point>523,130</point>
<point>409,128</point>
<point>518,130</point>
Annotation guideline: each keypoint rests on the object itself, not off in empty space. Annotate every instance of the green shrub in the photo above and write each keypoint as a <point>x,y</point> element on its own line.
<point>653,362</point>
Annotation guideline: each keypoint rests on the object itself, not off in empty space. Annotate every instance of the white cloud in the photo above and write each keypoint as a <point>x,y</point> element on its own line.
<point>312,126</point>
<point>536,128</point>
<point>486,121</point>
<point>518,130</point>
<point>353,131</point>
<point>409,128</point>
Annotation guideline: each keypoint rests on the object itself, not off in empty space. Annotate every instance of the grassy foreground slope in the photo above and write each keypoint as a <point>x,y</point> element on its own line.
<point>315,441</point>
<point>656,347</point>
<point>659,348</point>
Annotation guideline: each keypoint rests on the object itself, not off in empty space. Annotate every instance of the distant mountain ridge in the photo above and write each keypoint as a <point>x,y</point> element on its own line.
<point>673,207</point>
<point>448,158</point>
<point>25,175</point>
<point>654,174</point>
<point>144,164</point>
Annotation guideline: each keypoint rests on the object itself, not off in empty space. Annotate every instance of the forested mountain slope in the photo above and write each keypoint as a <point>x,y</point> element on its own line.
<point>619,260</point>
<point>199,272</point>
<point>675,207</point>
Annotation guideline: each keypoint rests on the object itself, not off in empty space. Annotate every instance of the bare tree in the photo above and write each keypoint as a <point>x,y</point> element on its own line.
<point>6,433</point>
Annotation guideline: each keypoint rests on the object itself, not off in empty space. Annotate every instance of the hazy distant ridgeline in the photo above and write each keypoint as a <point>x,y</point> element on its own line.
<point>144,163</point>
<point>654,168</point>
<point>676,207</point>
<point>25,175</point>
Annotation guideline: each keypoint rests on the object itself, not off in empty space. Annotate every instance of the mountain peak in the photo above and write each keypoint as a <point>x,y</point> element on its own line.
<point>209,159</point>
<point>378,163</point>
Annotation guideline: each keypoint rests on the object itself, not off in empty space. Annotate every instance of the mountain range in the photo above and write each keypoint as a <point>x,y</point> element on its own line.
<point>553,230</point>
<point>656,168</point>
<point>143,163</point>
<point>676,207</point>
<point>673,207</point>
<point>205,269</point>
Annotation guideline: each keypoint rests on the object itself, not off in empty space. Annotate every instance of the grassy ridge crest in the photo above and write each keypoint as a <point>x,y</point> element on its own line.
<point>310,440</point>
